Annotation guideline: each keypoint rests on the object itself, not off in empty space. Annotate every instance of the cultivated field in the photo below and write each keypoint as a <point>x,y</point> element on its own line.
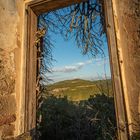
<point>77,89</point>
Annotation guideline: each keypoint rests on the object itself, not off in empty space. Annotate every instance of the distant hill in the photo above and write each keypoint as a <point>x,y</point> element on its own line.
<point>78,89</point>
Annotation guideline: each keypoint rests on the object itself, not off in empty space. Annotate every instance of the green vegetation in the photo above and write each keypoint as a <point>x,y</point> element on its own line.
<point>93,116</point>
<point>77,89</point>
<point>93,119</point>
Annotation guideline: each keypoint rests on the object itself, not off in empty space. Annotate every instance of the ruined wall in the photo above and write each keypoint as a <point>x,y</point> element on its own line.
<point>10,66</point>
<point>127,25</point>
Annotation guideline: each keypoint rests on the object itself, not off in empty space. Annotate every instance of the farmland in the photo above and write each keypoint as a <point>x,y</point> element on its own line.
<point>78,89</point>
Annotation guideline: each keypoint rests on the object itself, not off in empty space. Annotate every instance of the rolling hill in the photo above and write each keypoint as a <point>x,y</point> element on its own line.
<point>78,89</point>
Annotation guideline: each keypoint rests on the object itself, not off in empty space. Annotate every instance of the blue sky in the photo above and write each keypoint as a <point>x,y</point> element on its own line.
<point>71,64</point>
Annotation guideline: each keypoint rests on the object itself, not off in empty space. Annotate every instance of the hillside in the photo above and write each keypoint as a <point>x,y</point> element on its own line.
<point>79,89</point>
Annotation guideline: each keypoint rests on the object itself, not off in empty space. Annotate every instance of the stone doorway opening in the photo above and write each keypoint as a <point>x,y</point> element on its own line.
<point>74,77</point>
<point>34,9</point>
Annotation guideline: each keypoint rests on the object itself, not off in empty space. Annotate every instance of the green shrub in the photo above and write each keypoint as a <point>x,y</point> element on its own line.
<point>86,120</point>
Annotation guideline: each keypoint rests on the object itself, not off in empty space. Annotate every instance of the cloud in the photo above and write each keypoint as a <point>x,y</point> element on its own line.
<point>72,68</point>
<point>100,77</point>
<point>80,65</point>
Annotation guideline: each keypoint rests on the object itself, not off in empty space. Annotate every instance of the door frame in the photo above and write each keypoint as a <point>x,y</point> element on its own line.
<point>33,9</point>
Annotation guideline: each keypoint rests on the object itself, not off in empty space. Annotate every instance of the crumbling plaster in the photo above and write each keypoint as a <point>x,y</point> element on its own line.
<point>11,66</point>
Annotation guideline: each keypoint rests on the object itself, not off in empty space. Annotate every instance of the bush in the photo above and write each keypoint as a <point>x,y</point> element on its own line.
<point>86,120</point>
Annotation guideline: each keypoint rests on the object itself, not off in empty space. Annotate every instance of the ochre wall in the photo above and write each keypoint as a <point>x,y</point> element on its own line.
<point>127,26</point>
<point>11,18</point>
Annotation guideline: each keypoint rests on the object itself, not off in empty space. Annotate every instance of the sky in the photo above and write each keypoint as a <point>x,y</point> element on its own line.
<point>70,63</point>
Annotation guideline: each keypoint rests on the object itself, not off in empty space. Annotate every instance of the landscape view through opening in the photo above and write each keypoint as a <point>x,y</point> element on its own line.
<point>74,74</point>
<point>78,99</point>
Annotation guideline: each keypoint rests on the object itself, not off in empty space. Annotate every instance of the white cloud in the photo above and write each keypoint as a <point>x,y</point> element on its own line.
<point>72,68</point>
<point>80,65</point>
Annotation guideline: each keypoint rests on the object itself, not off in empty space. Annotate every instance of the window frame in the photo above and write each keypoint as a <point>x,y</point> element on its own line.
<point>33,9</point>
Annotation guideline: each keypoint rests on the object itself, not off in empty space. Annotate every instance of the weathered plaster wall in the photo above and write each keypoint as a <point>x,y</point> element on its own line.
<point>8,44</point>
<point>127,25</point>
<point>10,66</point>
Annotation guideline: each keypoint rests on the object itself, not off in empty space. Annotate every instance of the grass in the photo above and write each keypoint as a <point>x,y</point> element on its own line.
<point>77,89</point>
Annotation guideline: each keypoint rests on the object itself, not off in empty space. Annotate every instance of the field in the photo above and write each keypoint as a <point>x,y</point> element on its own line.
<point>78,89</point>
